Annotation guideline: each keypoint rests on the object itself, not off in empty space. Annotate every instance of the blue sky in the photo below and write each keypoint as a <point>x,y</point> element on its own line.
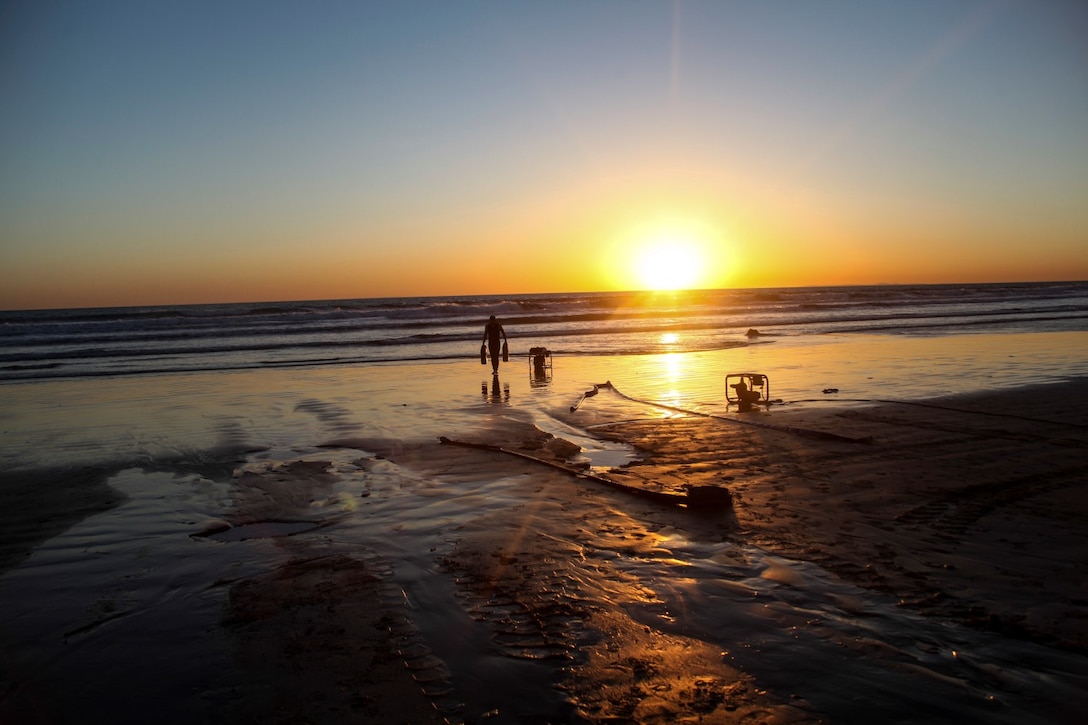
<point>155,152</point>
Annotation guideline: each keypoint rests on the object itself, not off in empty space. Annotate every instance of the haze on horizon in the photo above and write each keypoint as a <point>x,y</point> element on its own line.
<point>186,152</point>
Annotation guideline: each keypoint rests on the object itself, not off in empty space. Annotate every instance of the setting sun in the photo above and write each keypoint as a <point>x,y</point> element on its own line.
<point>667,265</point>
<point>670,253</point>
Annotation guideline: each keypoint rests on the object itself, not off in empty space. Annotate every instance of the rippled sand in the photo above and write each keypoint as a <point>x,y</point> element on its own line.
<point>278,546</point>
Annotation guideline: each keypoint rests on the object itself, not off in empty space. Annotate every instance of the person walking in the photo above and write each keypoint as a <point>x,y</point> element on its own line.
<point>492,331</point>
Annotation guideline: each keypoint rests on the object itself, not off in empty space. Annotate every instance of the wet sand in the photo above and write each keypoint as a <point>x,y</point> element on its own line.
<point>969,507</point>
<point>931,570</point>
<point>968,510</point>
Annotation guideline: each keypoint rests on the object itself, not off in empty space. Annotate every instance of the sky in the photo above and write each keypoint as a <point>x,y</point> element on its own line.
<point>187,152</point>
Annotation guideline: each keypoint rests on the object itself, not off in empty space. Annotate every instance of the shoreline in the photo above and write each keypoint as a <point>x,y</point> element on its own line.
<point>931,570</point>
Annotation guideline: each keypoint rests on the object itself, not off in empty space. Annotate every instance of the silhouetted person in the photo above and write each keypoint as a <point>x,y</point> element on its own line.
<point>492,331</point>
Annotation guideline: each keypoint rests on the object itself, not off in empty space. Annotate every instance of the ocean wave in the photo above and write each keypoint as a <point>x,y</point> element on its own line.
<point>52,343</point>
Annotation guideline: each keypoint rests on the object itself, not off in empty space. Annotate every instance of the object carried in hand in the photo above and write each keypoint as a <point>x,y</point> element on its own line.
<point>505,352</point>
<point>483,354</point>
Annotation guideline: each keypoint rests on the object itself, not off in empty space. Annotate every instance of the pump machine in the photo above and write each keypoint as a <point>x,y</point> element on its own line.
<point>747,388</point>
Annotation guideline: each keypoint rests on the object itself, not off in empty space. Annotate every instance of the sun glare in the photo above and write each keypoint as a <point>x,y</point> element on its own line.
<point>667,265</point>
<point>669,253</point>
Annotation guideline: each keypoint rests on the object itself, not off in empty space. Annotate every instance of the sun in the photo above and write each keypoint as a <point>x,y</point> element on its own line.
<point>668,264</point>
<point>669,253</point>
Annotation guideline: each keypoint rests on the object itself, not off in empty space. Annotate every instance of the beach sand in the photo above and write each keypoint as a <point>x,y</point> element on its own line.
<point>926,565</point>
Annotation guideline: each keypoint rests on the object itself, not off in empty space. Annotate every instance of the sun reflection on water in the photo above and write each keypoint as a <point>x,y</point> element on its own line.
<point>673,369</point>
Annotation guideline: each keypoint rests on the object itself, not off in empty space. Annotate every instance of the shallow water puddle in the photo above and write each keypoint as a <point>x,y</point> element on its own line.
<point>602,454</point>
<point>127,594</point>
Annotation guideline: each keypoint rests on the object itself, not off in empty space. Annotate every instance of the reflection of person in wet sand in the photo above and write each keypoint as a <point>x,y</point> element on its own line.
<point>498,394</point>
<point>492,331</point>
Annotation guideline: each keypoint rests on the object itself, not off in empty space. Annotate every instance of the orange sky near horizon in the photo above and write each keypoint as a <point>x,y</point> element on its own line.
<point>548,254</point>
<point>541,148</point>
<point>525,262</point>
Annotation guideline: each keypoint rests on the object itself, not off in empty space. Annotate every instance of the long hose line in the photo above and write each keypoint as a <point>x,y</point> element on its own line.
<point>948,408</point>
<point>822,435</point>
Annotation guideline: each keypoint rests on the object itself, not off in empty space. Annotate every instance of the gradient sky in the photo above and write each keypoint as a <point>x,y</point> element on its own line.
<point>172,152</point>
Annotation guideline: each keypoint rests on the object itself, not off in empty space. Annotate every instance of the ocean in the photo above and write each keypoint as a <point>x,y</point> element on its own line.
<point>79,343</point>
